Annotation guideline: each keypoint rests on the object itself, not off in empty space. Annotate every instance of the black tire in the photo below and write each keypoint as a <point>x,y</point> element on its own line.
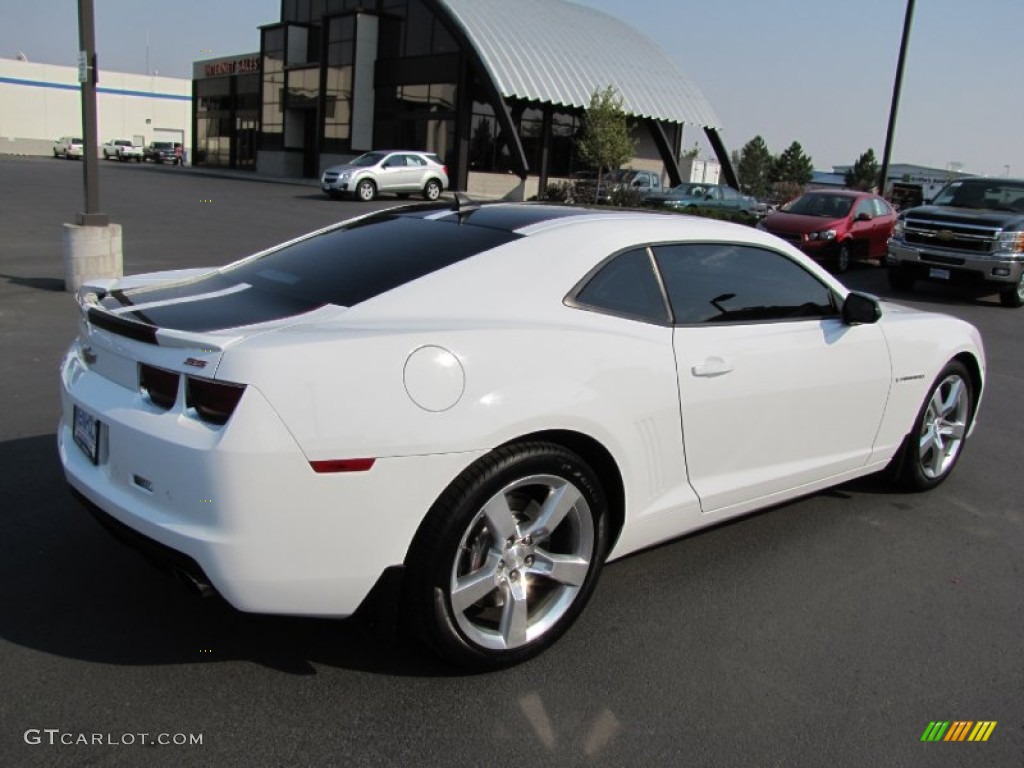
<point>479,532</point>
<point>840,261</point>
<point>923,464</point>
<point>366,191</point>
<point>1013,296</point>
<point>901,279</point>
<point>55,155</point>
<point>432,190</point>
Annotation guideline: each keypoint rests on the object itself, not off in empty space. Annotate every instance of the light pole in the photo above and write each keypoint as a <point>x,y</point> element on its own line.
<point>894,108</point>
<point>91,216</point>
<point>92,245</point>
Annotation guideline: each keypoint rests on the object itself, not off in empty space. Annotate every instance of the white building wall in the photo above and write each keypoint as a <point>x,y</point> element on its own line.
<point>42,102</point>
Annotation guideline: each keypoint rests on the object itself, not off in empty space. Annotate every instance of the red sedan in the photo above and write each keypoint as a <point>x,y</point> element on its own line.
<point>835,226</point>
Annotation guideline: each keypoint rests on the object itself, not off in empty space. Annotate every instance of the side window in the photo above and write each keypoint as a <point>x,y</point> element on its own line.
<point>865,206</point>
<point>415,161</point>
<point>626,285</point>
<point>729,194</point>
<point>881,207</point>
<point>655,182</point>
<point>720,282</point>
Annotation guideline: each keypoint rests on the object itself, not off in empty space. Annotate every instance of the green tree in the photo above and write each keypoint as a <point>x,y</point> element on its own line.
<point>754,167</point>
<point>606,141</point>
<point>793,166</point>
<point>864,173</point>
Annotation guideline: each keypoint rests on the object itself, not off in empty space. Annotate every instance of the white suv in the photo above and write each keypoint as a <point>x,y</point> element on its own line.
<point>68,147</point>
<point>400,171</point>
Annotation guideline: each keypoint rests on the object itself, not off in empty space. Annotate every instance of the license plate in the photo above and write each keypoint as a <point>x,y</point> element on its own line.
<point>87,434</point>
<point>938,274</point>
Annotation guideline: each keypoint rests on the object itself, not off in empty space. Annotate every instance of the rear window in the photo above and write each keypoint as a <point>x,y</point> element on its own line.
<point>345,266</point>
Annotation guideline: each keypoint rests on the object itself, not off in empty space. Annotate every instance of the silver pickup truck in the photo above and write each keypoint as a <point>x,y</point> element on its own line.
<point>972,232</point>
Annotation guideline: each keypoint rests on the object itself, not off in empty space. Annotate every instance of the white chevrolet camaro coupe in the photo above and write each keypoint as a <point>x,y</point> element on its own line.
<point>461,412</point>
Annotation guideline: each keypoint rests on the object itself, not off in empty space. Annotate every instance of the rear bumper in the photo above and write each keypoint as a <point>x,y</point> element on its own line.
<point>242,502</point>
<point>962,267</point>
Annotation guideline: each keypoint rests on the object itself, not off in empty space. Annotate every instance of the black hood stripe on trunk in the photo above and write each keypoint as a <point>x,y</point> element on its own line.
<point>225,310</point>
<point>127,328</point>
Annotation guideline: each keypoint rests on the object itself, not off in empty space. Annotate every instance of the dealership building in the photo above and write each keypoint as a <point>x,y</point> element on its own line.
<point>496,88</point>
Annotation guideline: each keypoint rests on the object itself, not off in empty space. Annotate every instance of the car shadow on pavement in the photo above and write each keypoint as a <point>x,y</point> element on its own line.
<point>69,589</point>
<point>39,283</point>
<point>873,279</point>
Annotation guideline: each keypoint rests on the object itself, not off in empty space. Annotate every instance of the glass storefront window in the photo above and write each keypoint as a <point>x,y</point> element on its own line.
<point>303,88</point>
<point>272,114</point>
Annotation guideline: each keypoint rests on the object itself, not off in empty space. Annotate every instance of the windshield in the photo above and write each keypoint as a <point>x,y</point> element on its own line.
<point>820,204</point>
<point>370,158</point>
<point>162,145</point>
<point>983,193</point>
<point>691,190</point>
<point>122,143</point>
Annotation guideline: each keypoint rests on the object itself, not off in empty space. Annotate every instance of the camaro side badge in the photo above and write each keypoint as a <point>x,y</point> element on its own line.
<point>194,363</point>
<point>915,377</point>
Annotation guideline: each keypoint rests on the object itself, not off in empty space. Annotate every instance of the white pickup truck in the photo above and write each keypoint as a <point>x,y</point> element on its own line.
<point>122,149</point>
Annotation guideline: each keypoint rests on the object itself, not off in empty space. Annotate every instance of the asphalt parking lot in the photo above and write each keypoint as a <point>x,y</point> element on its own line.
<point>825,632</point>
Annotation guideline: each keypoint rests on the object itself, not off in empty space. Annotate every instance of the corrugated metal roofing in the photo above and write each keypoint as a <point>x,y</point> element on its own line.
<point>560,53</point>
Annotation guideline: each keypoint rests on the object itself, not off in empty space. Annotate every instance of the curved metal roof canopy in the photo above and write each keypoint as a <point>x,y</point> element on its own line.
<point>560,53</point>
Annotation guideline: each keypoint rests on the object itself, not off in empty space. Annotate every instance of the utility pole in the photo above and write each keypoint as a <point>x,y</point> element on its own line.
<point>87,75</point>
<point>92,245</point>
<point>894,108</point>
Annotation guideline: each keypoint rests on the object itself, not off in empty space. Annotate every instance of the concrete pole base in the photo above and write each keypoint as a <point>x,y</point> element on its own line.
<point>91,252</point>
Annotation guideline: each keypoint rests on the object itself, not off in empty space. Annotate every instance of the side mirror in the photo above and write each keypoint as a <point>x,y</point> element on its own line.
<point>861,309</point>
<point>863,217</point>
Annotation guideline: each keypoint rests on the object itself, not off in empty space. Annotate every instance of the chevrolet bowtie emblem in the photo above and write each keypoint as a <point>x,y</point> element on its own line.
<point>944,234</point>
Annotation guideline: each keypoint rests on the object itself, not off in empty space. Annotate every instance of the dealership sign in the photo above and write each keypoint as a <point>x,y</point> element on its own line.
<point>231,65</point>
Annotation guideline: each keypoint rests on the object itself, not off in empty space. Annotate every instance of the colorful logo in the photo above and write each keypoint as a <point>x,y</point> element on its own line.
<point>958,730</point>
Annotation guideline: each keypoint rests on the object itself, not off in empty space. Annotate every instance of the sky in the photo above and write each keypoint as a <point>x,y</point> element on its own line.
<point>819,72</point>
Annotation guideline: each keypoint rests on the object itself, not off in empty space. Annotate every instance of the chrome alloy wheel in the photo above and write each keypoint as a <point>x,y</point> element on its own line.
<point>944,426</point>
<point>521,562</point>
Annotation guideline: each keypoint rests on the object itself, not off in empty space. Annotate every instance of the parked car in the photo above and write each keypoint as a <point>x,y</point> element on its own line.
<point>122,149</point>
<point>68,147</point>
<point>971,233</point>
<point>835,226</point>
<point>160,152</point>
<point>691,196</point>
<point>397,171</point>
<point>469,409</point>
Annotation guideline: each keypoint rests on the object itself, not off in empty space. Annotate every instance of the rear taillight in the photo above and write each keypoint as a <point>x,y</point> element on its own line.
<point>161,386</point>
<point>214,401</point>
<point>445,169</point>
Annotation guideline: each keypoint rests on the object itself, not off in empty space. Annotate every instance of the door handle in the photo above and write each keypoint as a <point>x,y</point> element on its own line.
<point>712,366</point>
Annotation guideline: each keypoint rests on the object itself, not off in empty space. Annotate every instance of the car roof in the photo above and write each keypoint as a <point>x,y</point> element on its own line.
<point>838,192</point>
